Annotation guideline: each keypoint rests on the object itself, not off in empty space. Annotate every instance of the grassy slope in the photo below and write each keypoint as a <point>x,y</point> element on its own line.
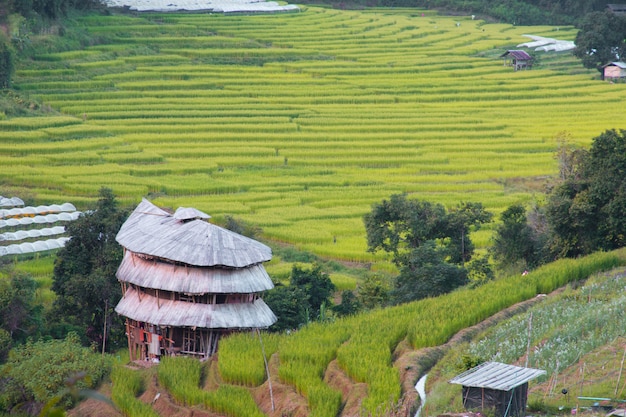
<point>287,121</point>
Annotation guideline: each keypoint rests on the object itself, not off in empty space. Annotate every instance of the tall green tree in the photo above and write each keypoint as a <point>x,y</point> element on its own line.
<point>6,64</point>
<point>20,316</point>
<point>428,243</point>
<point>514,243</point>
<point>587,211</point>
<point>315,284</point>
<point>601,39</point>
<point>289,305</point>
<point>84,274</point>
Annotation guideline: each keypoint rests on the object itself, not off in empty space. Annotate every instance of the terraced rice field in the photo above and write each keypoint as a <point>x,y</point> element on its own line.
<point>298,123</point>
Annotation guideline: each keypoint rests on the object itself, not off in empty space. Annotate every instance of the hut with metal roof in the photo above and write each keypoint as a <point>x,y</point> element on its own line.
<point>187,282</point>
<point>497,386</point>
<point>614,70</point>
<point>518,59</point>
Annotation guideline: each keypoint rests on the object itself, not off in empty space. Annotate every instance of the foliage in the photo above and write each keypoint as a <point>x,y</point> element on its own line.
<point>429,244</point>
<point>514,243</point>
<point>6,342</point>
<point>20,315</point>
<point>84,273</point>
<point>349,305</point>
<point>586,211</point>
<point>315,285</point>
<point>601,39</point>
<point>288,305</point>
<point>6,64</point>
<point>36,372</point>
<point>302,300</point>
<point>427,274</point>
<point>374,291</point>
<point>49,9</point>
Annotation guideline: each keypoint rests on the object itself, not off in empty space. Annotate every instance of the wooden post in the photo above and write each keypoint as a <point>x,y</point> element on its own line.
<point>104,331</point>
<point>267,369</point>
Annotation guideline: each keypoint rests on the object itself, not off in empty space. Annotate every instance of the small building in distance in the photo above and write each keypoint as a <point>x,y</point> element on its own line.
<point>617,8</point>
<point>187,282</point>
<point>498,387</point>
<point>517,59</point>
<point>614,71</point>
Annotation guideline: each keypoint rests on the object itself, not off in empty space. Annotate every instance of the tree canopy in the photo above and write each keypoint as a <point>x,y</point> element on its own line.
<point>303,300</point>
<point>587,211</point>
<point>429,244</point>
<point>84,273</point>
<point>601,39</point>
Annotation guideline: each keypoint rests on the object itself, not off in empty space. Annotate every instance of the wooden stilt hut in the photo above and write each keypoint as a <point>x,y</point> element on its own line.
<point>187,282</point>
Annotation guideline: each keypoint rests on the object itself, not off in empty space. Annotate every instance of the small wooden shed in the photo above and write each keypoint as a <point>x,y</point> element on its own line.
<point>614,70</point>
<point>517,59</point>
<point>187,282</point>
<point>497,386</point>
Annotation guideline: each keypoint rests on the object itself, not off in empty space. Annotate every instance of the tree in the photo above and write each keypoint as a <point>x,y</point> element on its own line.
<point>37,372</point>
<point>601,39</point>
<point>514,243</point>
<point>289,306</point>
<point>315,284</point>
<point>429,244</point>
<point>6,65</point>
<point>84,273</point>
<point>373,291</point>
<point>587,212</point>
<point>20,316</point>
<point>427,274</point>
<point>349,305</point>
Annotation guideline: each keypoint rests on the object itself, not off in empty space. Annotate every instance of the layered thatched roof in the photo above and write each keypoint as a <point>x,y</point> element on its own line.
<point>152,231</point>
<point>184,314</point>
<point>149,273</point>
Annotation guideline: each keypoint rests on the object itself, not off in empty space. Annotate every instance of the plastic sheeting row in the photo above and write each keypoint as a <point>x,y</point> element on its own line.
<point>39,246</point>
<point>29,234</point>
<point>49,218</point>
<point>11,202</point>
<point>34,211</point>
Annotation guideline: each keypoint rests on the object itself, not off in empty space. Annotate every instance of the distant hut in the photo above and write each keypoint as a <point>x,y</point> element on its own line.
<point>617,8</point>
<point>187,282</point>
<point>614,71</point>
<point>518,59</point>
<point>497,386</point>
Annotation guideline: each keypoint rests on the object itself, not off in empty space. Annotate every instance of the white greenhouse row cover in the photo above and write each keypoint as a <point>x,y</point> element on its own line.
<point>218,6</point>
<point>27,234</point>
<point>10,202</point>
<point>39,246</point>
<point>32,211</point>
<point>40,222</point>
<point>49,218</point>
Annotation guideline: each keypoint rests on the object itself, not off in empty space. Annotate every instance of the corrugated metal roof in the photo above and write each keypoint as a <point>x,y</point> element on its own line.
<point>185,314</point>
<point>619,64</point>
<point>497,376</point>
<point>189,213</point>
<point>152,231</point>
<point>517,54</point>
<point>150,273</point>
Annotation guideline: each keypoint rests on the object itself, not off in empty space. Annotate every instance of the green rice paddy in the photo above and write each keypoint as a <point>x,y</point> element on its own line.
<point>298,123</point>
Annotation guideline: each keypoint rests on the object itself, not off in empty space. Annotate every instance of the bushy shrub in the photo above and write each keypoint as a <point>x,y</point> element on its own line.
<point>37,372</point>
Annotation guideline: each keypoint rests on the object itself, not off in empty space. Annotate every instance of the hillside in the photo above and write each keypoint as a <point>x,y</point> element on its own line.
<point>599,356</point>
<point>297,124</point>
<point>237,115</point>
